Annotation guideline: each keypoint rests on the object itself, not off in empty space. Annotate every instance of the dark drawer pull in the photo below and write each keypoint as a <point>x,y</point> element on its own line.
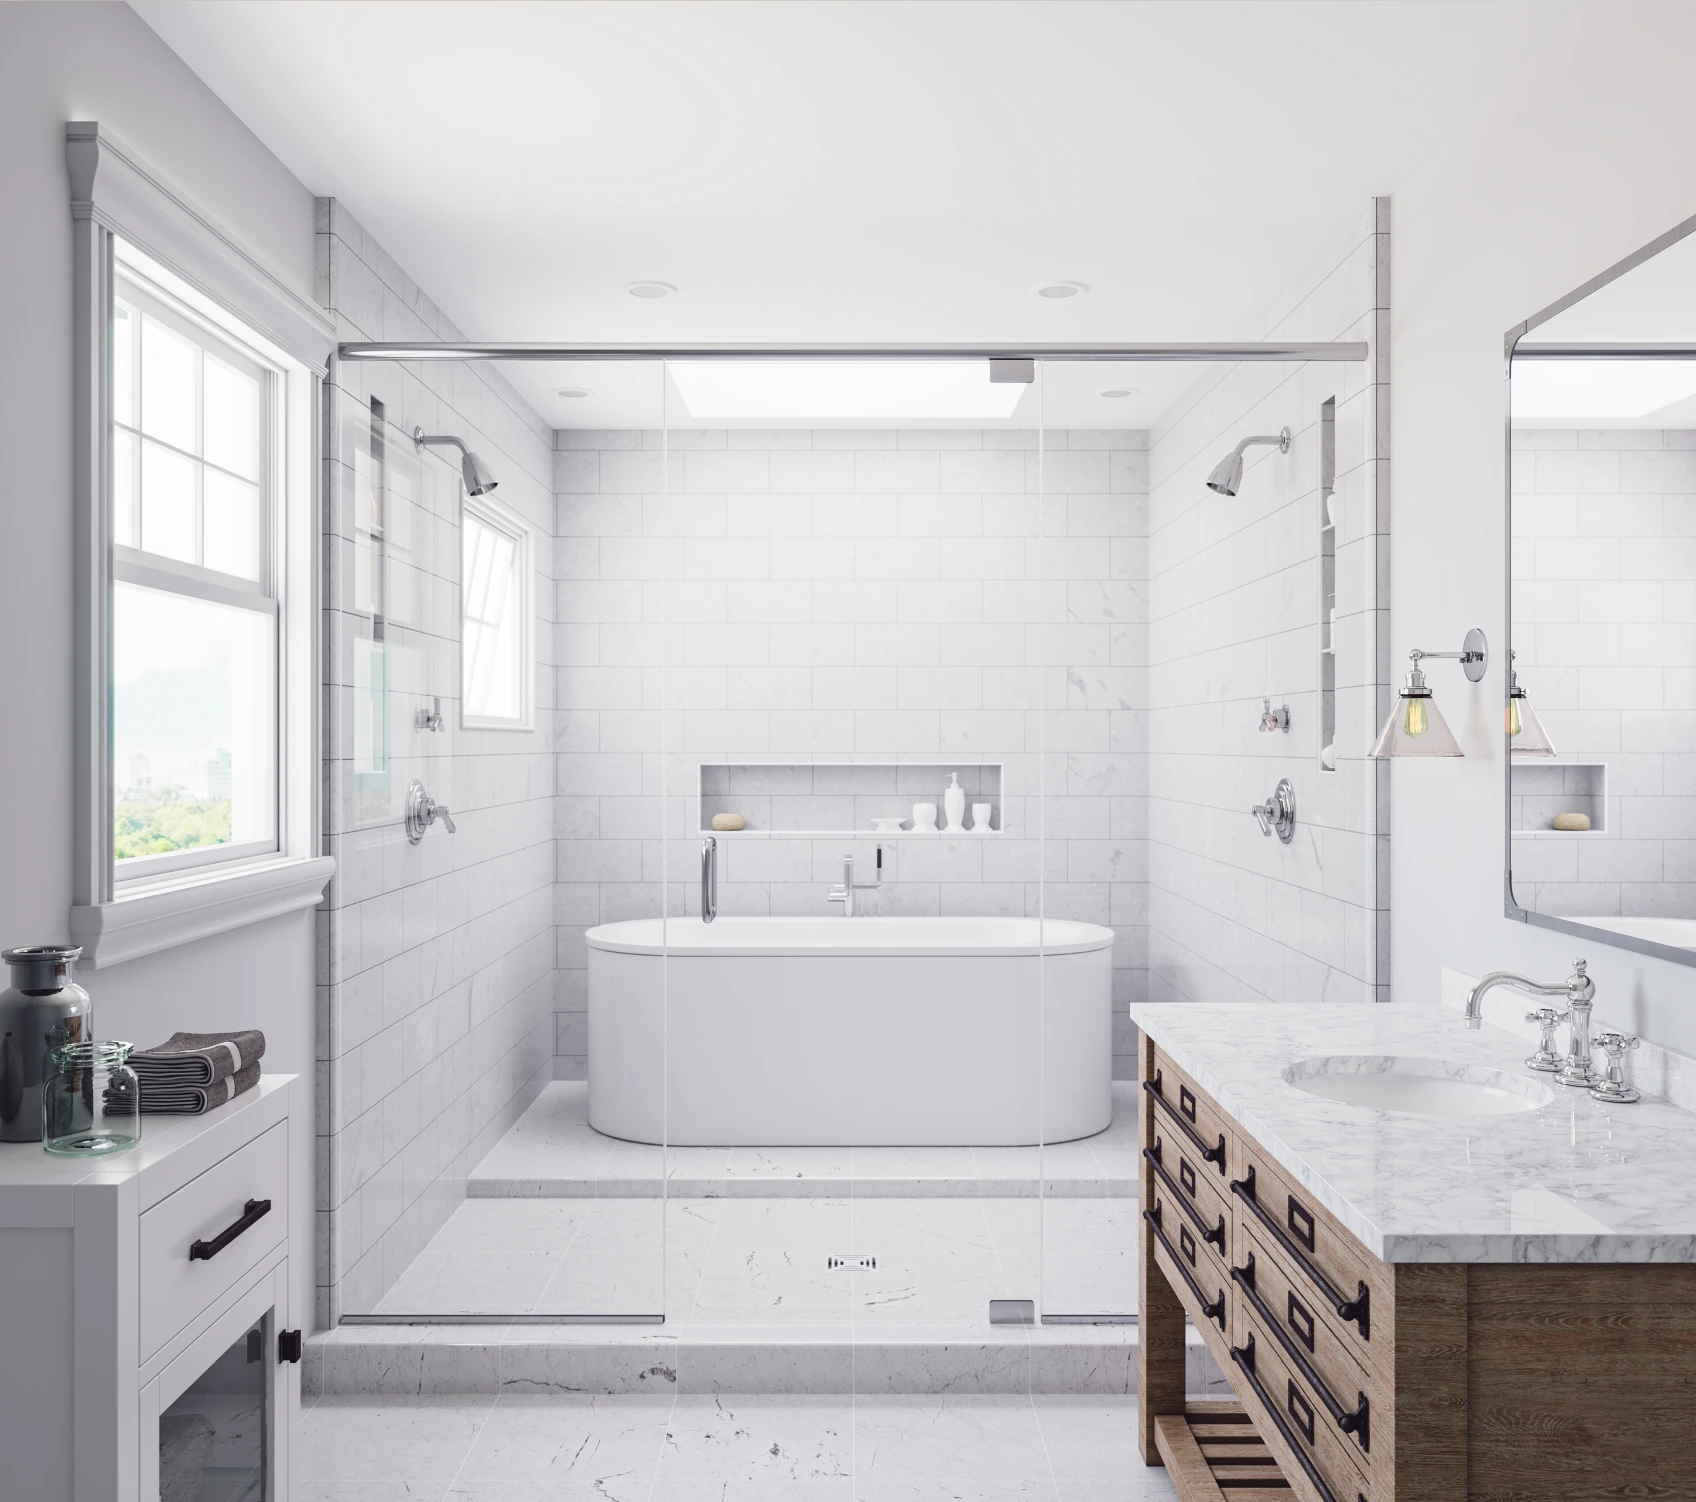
<point>1186,1175</point>
<point>252,1213</point>
<point>1214,1155</point>
<point>288,1345</point>
<point>1214,1310</point>
<point>1301,1222</point>
<point>1213,1234</point>
<point>1300,1319</point>
<point>1359,1422</point>
<point>1358,1309</point>
<point>1300,1410</point>
<point>1186,1103</point>
<point>1243,1356</point>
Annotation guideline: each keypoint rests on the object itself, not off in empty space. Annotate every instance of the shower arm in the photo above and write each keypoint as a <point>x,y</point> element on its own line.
<point>420,439</point>
<point>1279,441</point>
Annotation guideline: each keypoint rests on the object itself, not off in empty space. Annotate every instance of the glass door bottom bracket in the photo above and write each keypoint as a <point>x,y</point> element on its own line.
<point>502,1319</point>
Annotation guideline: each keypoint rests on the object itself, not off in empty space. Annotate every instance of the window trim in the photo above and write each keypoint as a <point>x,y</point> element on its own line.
<point>492,514</point>
<point>116,197</point>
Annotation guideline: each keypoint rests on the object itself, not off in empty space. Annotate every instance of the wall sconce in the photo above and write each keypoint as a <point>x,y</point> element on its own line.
<point>1526,735</point>
<point>1416,727</point>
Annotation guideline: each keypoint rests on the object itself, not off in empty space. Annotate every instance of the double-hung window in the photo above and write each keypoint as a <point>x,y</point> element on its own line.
<point>197,419</point>
<point>196,569</point>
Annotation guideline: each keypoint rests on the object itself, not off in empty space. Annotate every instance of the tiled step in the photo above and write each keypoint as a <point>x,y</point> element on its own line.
<point>512,1359</point>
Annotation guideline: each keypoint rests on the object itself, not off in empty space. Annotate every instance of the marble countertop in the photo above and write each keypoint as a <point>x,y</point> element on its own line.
<point>1574,1181</point>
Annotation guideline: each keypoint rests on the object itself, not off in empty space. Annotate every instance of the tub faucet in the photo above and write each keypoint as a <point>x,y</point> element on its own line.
<point>1580,993</point>
<point>845,893</point>
<point>709,879</point>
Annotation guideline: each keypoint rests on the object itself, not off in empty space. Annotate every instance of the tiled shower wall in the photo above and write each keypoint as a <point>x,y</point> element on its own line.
<point>850,595</point>
<point>1234,591</point>
<point>1604,625</point>
<point>436,961</point>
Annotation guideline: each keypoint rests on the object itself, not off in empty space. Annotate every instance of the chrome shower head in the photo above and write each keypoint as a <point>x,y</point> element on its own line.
<point>1227,476</point>
<point>478,478</point>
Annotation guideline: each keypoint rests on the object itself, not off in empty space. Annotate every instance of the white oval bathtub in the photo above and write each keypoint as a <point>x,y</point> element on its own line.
<point>791,1032</point>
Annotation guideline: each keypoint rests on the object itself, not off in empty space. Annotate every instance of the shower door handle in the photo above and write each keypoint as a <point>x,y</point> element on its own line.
<point>709,879</point>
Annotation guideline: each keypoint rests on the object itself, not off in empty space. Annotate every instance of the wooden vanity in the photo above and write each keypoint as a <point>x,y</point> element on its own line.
<point>1361,1380</point>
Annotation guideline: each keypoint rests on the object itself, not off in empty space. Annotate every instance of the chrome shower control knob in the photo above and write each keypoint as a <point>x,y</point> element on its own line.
<point>1547,1020</point>
<point>1614,1087</point>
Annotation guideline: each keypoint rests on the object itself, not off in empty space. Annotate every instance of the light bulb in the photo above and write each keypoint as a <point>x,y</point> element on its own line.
<point>1413,716</point>
<point>1515,723</point>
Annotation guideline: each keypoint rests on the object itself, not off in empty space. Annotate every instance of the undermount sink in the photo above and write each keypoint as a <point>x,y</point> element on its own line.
<point>1417,1087</point>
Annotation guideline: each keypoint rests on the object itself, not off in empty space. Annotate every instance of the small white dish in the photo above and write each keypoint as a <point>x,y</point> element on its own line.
<point>886,826</point>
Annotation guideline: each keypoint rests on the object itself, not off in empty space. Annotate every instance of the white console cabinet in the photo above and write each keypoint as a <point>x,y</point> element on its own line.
<point>145,1313</point>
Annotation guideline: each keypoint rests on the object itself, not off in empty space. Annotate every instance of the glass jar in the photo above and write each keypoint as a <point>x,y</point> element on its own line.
<point>90,1100</point>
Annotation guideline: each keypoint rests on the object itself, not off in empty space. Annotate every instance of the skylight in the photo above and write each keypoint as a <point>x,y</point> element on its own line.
<point>1600,390</point>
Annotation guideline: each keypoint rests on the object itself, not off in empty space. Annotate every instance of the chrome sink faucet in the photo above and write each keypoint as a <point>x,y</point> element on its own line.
<point>1579,990</point>
<point>845,893</point>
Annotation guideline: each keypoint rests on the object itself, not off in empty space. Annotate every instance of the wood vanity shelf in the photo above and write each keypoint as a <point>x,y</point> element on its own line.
<point>1362,1380</point>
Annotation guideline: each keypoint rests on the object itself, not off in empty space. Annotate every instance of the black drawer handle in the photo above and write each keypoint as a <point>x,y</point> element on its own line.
<point>1359,1422</point>
<point>1243,1356</point>
<point>1358,1309</point>
<point>1213,1234</point>
<point>1301,1411</point>
<point>252,1213</point>
<point>1214,1155</point>
<point>1300,1319</point>
<point>288,1345</point>
<point>1214,1310</point>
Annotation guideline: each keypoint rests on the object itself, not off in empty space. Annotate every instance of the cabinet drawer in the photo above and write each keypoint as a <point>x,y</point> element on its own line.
<point>1204,1212</point>
<point>1310,1345</point>
<point>176,1287</point>
<point>1329,1267</point>
<point>1292,1417</point>
<point>1196,1276</point>
<point>1181,1107</point>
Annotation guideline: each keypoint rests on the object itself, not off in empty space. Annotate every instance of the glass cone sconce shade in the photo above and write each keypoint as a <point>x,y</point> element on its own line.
<point>1416,726</point>
<point>1526,735</point>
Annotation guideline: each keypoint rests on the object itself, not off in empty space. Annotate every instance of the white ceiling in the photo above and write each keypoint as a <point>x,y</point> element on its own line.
<point>852,171</point>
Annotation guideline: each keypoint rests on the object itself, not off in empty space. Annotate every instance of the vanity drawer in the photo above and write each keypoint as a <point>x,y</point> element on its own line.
<point>1204,1211</point>
<point>1321,1357</point>
<point>1293,1419</point>
<point>1196,1275</point>
<point>1181,1107</point>
<point>189,1256</point>
<point>1324,1262</point>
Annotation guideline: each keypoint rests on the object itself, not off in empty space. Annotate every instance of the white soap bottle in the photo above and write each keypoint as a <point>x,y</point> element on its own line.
<point>954,804</point>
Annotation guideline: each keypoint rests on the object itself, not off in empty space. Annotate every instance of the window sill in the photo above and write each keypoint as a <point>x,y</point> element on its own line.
<point>179,910</point>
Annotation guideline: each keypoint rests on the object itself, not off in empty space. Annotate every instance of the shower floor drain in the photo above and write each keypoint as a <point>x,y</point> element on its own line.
<point>853,1261</point>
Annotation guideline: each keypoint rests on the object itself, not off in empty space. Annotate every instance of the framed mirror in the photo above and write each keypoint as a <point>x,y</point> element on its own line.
<point>1600,719</point>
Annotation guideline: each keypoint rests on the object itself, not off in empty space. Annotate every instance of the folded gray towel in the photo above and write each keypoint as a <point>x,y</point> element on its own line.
<point>198,1058</point>
<point>168,1098</point>
<point>185,1445</point>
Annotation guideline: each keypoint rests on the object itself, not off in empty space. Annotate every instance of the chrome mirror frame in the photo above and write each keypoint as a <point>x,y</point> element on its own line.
<point>1511,342</point>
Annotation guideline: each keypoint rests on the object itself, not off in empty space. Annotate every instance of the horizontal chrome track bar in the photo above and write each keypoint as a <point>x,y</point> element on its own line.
<point>1531,350</point>
<point>503,1319</point>
<point>1127,352</point>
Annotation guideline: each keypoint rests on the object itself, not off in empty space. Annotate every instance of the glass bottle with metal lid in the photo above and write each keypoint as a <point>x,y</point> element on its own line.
<point>44,1009</point>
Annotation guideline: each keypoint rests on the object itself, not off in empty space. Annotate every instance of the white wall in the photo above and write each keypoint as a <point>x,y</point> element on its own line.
<point>853,594</point>
<point>99,62</point>
<point>438,981</point>
<point>1235,601</point>
<point>1569,167</point>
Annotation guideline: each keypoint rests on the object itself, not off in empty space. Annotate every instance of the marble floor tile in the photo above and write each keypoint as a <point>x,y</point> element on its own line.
<point>746,1440</point>
<point>824,1163</point>
<point>479,1282</point>
<point>772,1285</point>
<point>415,1440</point>
<point>900,1224</point>
<point>517,1225</point>
<point>823,1225</point>
<point>610,1446</point>
<point>961,1438</point>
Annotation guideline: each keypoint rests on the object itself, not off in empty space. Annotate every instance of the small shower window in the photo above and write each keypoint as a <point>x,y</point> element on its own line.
<point>497,651</point>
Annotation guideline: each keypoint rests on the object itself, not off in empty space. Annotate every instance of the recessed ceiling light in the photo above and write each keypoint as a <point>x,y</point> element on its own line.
<point>650,289</point>
<point>574,393</point>
<point>1061,289</point>
<point>1114,393</point>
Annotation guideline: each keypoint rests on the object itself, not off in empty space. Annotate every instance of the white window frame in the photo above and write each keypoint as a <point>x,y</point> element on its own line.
<point>499,518</point>
<point>133,565</point>
<point>121,208</point>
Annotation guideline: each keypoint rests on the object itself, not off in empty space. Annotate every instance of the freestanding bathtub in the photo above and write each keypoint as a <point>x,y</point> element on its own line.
<point>787,1032</point>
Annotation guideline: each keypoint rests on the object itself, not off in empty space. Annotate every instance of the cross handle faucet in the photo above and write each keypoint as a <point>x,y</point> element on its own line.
<point>845,893</point>
<point>1579,992</point>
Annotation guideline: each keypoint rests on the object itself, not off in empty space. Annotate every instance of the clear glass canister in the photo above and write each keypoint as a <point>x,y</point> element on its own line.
<point>90,1100</point>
